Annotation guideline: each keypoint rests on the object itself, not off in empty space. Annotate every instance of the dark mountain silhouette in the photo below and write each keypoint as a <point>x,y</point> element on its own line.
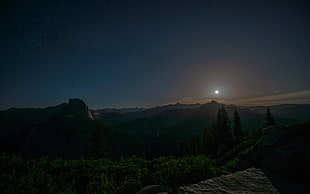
<point>78,107</point>
<point>292,112</point>
<point>59,130</point>
<point>65,129</point>
<point>127,114</point>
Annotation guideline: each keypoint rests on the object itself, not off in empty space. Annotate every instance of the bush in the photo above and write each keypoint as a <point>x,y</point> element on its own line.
<point>43,175</point>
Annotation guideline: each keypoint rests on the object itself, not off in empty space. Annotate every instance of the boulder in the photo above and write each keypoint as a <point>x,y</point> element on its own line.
<point>252,180</point>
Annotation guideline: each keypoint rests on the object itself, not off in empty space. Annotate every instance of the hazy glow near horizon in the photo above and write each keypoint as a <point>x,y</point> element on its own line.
<point>216,92</point>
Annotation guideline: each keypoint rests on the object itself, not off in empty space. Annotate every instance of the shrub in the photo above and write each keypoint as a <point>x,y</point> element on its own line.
<point>128,175</point>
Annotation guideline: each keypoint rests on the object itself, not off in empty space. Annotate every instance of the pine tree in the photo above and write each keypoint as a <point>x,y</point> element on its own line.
<point>269,119</point>
<point>222,126</point>
<point>237,128</point>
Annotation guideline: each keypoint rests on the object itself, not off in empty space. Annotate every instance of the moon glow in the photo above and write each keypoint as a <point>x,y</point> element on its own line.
<point>216,92</point>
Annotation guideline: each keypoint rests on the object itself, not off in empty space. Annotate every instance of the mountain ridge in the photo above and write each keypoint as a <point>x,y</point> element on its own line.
<point>75,106</point>
<point>155,131</point>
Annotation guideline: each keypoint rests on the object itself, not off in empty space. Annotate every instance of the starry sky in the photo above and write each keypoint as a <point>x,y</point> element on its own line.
<point>131,53</point>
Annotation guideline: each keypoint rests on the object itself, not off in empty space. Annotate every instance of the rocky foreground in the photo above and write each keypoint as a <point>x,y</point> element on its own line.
<point>283,154</point>
<point>281,158</point>
<point>252,180</point>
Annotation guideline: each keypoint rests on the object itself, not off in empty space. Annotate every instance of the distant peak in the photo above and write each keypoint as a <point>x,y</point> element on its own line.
<point>213,102</point>
<point>78,107</point>
<point>76,100</point>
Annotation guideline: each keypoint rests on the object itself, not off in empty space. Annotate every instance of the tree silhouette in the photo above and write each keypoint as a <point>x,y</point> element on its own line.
<point>237,128</point>
<point>269,119</point>
<point>222,126</point>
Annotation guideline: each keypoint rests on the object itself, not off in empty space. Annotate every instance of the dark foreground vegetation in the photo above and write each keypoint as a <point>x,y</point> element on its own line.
<point>43,175</point>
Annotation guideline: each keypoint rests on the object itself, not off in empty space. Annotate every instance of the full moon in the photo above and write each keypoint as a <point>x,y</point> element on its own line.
<point>216,92</point>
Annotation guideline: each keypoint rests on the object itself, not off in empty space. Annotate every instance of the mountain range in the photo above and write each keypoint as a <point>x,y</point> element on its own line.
<point>66,129</point>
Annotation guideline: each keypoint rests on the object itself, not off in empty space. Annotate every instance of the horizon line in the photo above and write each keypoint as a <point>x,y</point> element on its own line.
<point>299,97</point>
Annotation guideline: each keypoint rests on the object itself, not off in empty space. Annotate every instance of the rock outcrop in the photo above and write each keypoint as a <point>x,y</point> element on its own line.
<point>78,107</point>
<point>283,150</point>
<point>252,180</point>
<point>155,189</point>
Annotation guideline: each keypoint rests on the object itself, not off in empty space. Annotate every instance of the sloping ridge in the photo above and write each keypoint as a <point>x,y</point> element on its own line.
<point>252,180</point>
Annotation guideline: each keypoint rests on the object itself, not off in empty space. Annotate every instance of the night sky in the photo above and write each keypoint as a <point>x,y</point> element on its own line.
<point>150,52</point>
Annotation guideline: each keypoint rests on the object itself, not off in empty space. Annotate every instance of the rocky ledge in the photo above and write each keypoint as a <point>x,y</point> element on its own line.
<point>252,180</point>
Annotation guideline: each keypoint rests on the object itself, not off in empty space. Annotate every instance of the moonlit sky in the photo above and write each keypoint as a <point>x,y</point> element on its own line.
<point>143,53</point>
